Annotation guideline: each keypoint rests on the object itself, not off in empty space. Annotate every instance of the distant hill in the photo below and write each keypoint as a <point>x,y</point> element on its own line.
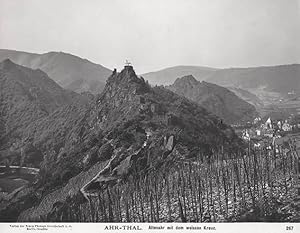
<point>214,98</point>
<point>27,97</point>
<point>69,71</point>
<point>247,96</point>
<point>169,75</point>
<point>269,84</point>
<point>280,79</point>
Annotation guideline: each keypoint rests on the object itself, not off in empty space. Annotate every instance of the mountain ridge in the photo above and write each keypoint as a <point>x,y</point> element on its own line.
<point>265,84</point>
<point>27,97</point>
<point>82,75</point>
<point>214,98</point>
<point>137,128</point>
<point>68,70</point>
<point>170,74</point>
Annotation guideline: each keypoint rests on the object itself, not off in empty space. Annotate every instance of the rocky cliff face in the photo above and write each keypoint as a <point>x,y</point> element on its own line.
<point>130,111</point>
<point>134,129</point>
<point>215,99</point>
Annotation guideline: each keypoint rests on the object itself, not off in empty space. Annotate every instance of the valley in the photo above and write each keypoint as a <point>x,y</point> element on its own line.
<point>150,116</point>
<point>142,153</point>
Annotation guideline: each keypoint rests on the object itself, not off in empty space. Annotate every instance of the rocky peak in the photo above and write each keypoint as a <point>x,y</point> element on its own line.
<point>127,75</point>
<point>125,81</point>
<point>188,80</point>
<point>216,99</point>
<point>122,93</point>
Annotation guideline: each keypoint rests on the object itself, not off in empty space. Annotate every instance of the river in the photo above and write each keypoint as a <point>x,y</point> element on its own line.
<point>14,177</point>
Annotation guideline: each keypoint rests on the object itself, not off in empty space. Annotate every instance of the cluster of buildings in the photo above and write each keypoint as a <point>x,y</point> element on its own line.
<point>271,128</point>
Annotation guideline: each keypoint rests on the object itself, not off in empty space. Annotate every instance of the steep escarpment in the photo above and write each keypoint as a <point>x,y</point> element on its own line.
<point>136,130</point>
<point>216,99</point>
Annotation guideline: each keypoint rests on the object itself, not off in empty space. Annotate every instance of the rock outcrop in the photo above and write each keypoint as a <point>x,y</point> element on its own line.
<point>133,128</point>
<point>215,99</point>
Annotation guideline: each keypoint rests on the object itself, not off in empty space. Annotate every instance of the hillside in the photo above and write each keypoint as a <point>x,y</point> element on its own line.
<point>27,97</point>
<point>214,98</point>
<point>135,129</point>
<point>280,79</point>
<point>247,96</point>
<point>145,154</point>
<point>80,75</point>
<point>269,84</point>
<point>69,71</point>
<point>169,75</point>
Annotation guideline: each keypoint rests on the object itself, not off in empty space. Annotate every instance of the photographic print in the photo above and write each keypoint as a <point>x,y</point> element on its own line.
<point>140,111</point>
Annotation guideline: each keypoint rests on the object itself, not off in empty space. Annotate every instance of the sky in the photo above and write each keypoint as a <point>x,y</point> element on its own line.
<point>155,34</point>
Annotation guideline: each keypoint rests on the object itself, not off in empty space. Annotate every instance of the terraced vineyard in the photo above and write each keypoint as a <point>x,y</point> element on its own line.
<point>261,185</point>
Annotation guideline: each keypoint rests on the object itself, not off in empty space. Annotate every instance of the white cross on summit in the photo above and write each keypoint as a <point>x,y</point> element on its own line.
<point>127,63</point>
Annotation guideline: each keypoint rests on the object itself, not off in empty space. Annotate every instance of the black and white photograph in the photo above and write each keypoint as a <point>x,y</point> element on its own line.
<point>139,111</point>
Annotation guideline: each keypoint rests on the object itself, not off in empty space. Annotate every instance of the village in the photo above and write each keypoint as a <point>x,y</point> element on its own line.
<point>271,132</point>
